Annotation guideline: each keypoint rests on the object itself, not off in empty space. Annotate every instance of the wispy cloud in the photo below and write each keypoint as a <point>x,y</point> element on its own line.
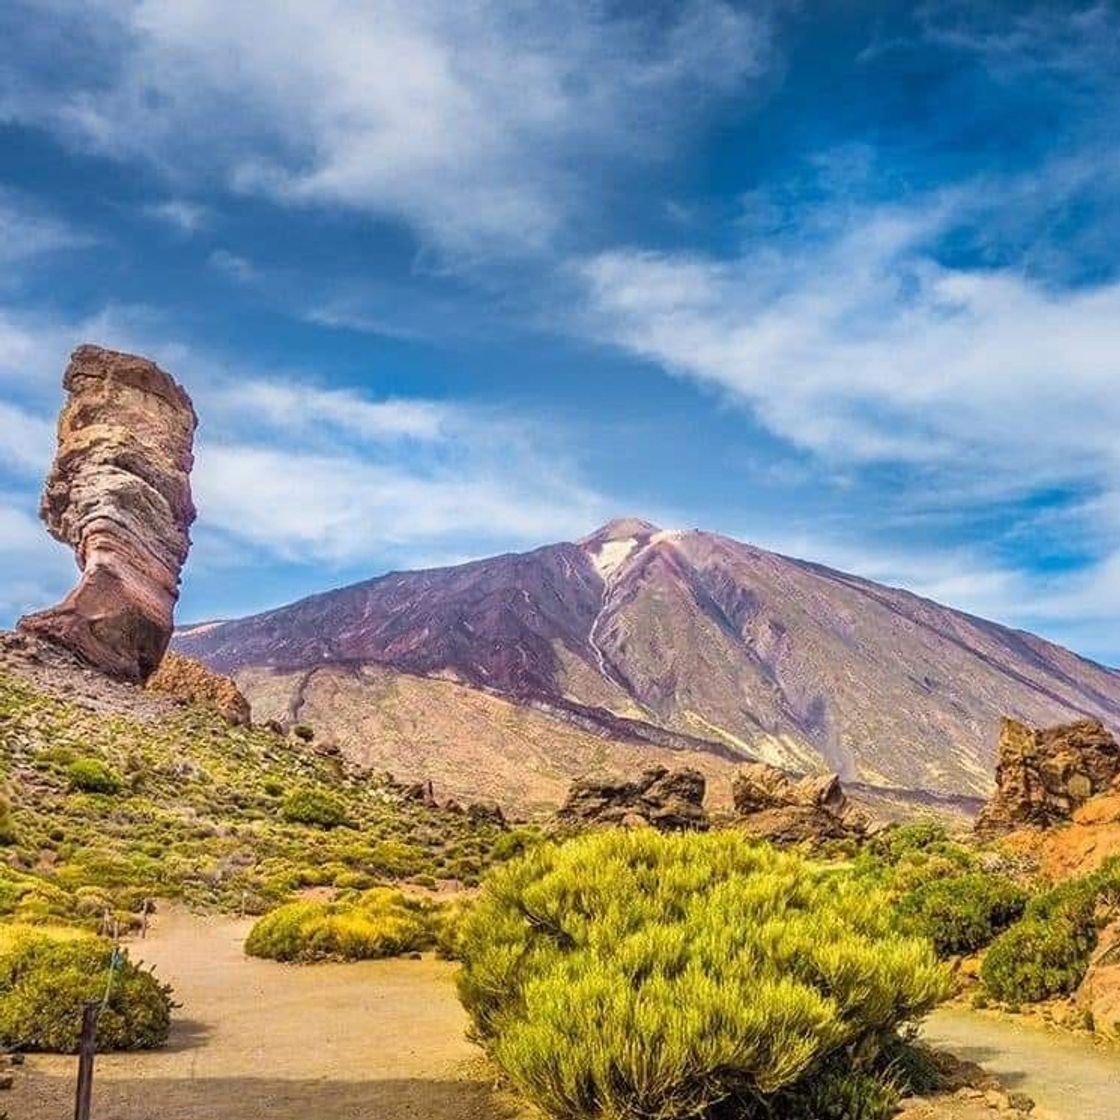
<point>27,230</point>
<point>182,215</point>
<point>34,570</point>
<point>862,346</point>
<point>236,267</point>
<point>461,119</point>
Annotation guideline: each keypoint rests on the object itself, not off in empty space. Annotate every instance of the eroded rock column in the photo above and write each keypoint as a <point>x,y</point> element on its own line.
<point>119,494</point>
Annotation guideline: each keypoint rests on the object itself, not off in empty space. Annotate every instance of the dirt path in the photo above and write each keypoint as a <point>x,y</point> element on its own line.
<point>1067,1075</point>
<point>378,1040</point>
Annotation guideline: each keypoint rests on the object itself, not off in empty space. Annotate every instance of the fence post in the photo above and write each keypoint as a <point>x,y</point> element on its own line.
<point>86,1050</point>
<point>144,920</point>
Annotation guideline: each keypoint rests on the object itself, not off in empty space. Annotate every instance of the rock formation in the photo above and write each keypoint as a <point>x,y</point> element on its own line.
<point>670,800</point>
<point>1099,994</point>
<point>191,682</point>
<point>786,810</point>
<point>1042,776</point>
<point>119,494</point>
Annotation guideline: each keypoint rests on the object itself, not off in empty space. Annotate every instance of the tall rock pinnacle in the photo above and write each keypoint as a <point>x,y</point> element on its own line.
<point>119,494</point>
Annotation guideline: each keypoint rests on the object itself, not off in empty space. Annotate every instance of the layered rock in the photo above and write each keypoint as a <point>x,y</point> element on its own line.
<point>670,800</point>
<point>1043,776</point>
<point>119,494</point>
<point>785,810</point>
<point>193,683</point>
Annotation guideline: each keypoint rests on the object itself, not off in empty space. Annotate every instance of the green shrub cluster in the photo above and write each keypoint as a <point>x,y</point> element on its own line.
<point>91,775</point>
<point>313,806</point>
<point>1047,953</point>
<point>962,913</point>
<point>635,975</point>
<point>372,924</point>
<point>198,816</point>
<point>46,980</point>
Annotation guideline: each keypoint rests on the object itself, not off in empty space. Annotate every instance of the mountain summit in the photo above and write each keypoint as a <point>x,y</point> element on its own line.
<point>687,638</point>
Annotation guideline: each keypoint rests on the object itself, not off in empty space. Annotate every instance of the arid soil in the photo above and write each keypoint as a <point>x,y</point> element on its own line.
<point>384,1040</point>
<point>381,1040</point>
<point>1067,1076</point>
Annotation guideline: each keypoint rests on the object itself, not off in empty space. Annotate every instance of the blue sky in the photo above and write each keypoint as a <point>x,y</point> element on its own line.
<point>448,279</point>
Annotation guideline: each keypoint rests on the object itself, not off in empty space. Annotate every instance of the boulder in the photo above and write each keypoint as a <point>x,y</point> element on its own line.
<point>1043,776</point>
<point>485,812</point>
<point>1099,994</point>
<point>119,494</point>
<point>421,792</point>
<point>193,683</point>
<point>669,800</point>
<point>772,805</point>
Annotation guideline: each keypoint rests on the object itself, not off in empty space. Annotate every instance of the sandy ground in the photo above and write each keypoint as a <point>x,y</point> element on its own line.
<point>384,1040</point>
<point>378,1040</point>
<point>1068,1075</point>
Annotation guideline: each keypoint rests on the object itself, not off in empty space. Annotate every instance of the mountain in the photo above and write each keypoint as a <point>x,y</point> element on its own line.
<point>686,640</point>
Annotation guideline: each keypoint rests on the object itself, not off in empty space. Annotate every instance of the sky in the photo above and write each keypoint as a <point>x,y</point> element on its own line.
<point>841,279</point>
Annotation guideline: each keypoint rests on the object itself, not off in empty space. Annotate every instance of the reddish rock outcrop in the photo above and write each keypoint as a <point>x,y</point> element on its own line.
<point>1099,993</point>
<point>1043,776</point>
<point>670,800</point>
<point>119,494</point>
<point>786,810</point>
<point>192,682</point>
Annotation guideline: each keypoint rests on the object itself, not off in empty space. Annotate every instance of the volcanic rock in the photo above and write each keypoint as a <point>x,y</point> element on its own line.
<point>193,683</point>
<point>1044,775</point>
<point>1099,993</point>
<point>485,812</point>
<point>119,494</point>
<point>788,810</point>
<point>669,800</point>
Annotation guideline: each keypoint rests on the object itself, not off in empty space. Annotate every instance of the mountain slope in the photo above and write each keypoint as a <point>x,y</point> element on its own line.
<point>700,641</point>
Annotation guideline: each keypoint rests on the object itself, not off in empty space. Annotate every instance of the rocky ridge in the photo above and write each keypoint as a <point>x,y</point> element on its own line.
<point>689,641</point>
<point>119,494</point>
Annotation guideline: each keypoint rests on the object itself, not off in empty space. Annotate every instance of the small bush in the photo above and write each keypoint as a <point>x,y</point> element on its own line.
<point>314,807</point>
<point>378,923</point>
<point>46,979</point>
<point>1047,953</point>
<point>304,732</point>
<point>845,1094</point>
<point>637,975</point>
<point>91,775</point>
<point>963,913</point>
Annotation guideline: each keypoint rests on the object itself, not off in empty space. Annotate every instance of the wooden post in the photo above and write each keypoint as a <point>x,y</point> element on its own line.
<point>144,920</point>
<point>86,1050</point>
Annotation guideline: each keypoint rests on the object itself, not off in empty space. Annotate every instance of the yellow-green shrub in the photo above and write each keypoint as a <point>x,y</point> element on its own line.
<point>629,975</point>
<point>314,807</point>
<point>376,923</point>
<point>963,913</point>
<point>1047,953</point>
<point>47,977</point>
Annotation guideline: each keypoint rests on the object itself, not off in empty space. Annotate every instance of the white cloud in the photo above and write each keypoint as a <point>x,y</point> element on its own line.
<point>27,231</point>
<point>28,442</point>
<point>307,507</point>
<point>238,268</point>
<point>35,571</point>
<point>861,347</point>
<point>465,120</point>
<point>293,471</point>
<point>186,217</point>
